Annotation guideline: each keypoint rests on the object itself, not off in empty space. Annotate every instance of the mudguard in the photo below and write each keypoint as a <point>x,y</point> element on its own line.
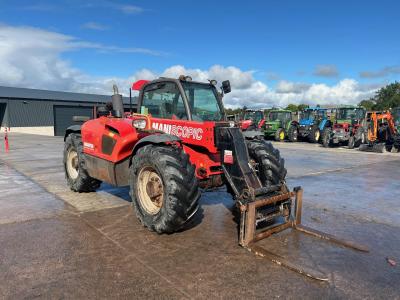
<point>155,139</point>
<point>291,123</point>
<point>322,124</point>
<point>72,129</point>
<point>253,134</point>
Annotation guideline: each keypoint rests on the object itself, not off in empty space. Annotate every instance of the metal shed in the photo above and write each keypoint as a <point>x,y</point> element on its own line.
<point>47,112</point>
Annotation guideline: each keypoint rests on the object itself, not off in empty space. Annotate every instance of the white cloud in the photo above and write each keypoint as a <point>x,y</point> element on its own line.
<point>31,57</point>
<point>129,9</point>
<point>326,71</point>
<point>94,26</point>
<point>284,87</point>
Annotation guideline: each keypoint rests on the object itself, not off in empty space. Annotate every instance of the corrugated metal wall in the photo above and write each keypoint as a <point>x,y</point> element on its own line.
<point>16,112</point>
<point>31,113</point>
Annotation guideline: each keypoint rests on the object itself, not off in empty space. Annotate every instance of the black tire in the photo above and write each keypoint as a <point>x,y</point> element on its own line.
<point>180,187</point>
<point>314,135</point>
<point>326,138</point>
<point>360,137</point>
<point>81,182</point>
<point>293,134</point>
<point>251,127</point>
<point>278,135</point>
<point>271,167</point>
<point>351,142</point>
<point>379,148</point>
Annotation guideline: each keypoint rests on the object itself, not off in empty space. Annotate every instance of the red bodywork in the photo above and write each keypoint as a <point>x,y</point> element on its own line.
<point>346,127</point>
<point>197,140</point>
<point>245,124</point>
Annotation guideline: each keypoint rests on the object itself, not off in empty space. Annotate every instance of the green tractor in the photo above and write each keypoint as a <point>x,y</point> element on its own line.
<point>279,125</point>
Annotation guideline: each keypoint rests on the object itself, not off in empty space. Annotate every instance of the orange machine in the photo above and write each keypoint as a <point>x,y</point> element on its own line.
<point>382,133</point>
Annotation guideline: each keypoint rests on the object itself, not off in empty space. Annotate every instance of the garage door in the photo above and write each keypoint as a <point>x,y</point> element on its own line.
<point>2,113</point>
<point>63,117</point>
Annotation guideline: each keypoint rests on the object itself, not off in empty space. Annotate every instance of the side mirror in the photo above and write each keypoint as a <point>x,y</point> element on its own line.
<point>226,86</point>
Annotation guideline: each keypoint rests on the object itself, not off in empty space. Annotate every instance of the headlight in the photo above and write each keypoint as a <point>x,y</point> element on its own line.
<point>139,124</point>
<point>231,124</point>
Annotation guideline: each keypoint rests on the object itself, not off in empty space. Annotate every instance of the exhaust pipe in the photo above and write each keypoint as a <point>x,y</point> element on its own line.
<point>118,105</point>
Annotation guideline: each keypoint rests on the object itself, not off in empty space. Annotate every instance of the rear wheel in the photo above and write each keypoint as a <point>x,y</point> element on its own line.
<point>314,135</point>
<point>163,188</point>
<point>270,165</point>
<point>352,142</point>
<point>360,137</point>
<point>252,127</point>
<point>326,138</point>
<point>280,135</point>
<point>76,173</point>
<point>293,134</point>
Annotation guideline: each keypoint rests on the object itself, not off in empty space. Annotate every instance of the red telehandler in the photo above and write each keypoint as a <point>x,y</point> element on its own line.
<point>181,142</point>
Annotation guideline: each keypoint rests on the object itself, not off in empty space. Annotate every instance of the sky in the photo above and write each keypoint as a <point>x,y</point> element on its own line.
<point>273,52</point>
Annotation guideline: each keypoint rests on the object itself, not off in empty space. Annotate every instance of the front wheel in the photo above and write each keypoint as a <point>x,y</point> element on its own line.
<point>280,135</point>
<point>293,134</point>
<point>314,135</point>
<point>352,142</point>
<point>360,137</point>
<point>163,188</point>
<point>326,138</point>
<point>270,166</point>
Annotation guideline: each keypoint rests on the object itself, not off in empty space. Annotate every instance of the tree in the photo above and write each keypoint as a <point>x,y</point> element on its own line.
<point>292,107</point>
<point>301,107</point>
<point>367,104</point>
<point>385,98</point>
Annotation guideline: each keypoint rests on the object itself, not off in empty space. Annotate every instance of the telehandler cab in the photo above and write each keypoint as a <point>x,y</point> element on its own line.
<point>178,144</point>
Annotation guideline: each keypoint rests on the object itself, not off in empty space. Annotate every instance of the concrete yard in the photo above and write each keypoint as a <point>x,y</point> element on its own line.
<point>58,244</point>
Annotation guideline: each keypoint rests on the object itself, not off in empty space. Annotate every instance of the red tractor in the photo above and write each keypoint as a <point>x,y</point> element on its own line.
<point>349,128</point>
<point>252,120</point>
<point>180,143</point>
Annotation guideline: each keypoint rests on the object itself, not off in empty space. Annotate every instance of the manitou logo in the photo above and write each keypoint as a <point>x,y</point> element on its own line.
<point>181,131</point>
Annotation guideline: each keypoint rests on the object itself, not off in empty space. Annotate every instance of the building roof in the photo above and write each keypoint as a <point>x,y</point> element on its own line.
<point>24,93</point>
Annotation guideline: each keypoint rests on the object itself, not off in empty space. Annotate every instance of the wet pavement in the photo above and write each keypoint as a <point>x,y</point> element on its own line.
<point>60,244</point>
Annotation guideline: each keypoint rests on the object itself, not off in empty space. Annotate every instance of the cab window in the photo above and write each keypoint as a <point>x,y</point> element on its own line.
<point>163,100</point>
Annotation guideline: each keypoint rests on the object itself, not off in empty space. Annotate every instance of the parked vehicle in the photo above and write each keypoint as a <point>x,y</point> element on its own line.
<point>382,134</point>
<point>349,128</point>
<point>252,120</point>
<point>313,121</point>
<point>181,142</point>
<point>280,126</point>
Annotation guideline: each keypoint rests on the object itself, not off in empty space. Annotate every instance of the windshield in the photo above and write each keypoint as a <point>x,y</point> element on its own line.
<point>350,113</point>
<point>311,114</point>
<point>203,101</point>
<point>279,116</point>
<point>396,113</point>
<point>253,115</point>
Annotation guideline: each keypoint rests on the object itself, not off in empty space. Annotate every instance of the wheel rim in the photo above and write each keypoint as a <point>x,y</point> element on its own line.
<point>150,190</point>
<point>317,135</point>
<point>72,164</point>
<point>281,135</point>
<point>295,135</point>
